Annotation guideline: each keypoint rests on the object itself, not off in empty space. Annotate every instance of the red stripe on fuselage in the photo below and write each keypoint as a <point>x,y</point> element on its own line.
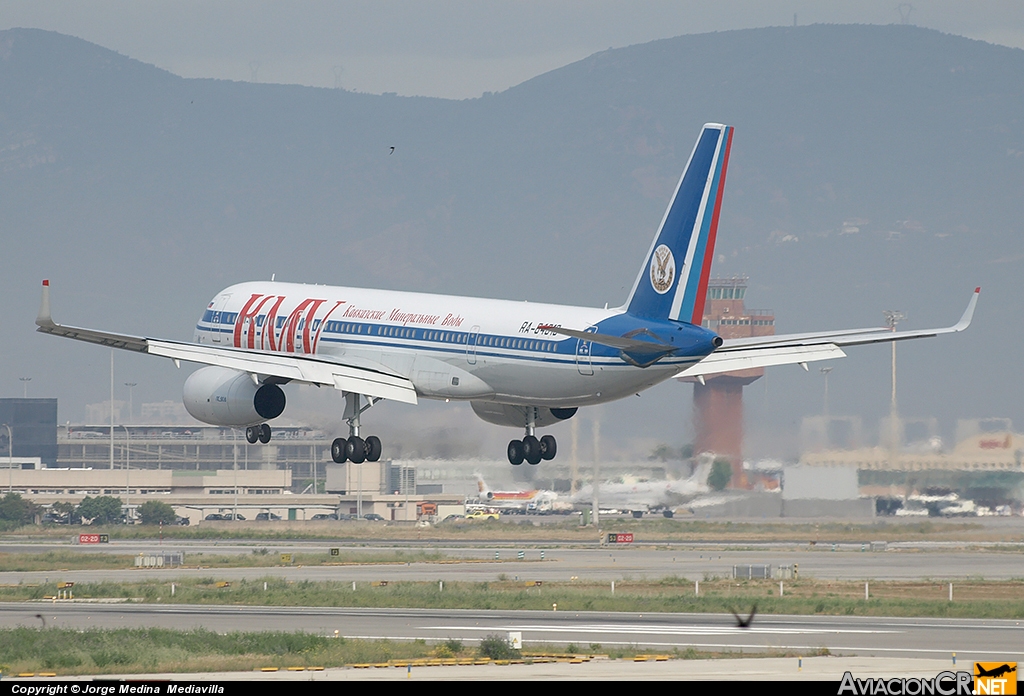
<point>709,249</point>
<point>517,495</point>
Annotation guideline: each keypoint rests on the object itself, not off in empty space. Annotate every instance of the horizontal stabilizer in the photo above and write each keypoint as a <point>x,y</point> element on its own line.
<point>848,337</point>
<point>631,345</point>
<point>719,362</point>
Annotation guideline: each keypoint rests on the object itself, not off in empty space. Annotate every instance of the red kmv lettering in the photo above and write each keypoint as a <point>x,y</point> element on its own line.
<point>248,316</point>
<point>298,326</point>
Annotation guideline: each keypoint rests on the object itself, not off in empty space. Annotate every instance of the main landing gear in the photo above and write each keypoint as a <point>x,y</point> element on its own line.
<point>354,448</point>
<point>257,433</point>
<point>530,448</point>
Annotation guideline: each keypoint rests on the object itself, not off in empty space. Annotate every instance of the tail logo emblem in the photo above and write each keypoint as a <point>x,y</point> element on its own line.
<point>663,269</point>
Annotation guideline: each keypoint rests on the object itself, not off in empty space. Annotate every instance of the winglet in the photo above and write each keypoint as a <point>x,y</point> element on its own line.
<point>44,320</point>
<point>965,320</point>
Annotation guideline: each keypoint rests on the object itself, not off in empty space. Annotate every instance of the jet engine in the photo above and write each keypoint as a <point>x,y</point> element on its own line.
<point>221,396</point>
<point>517,416</point>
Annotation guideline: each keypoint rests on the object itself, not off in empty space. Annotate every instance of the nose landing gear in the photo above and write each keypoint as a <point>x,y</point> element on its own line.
<point>258,433</point>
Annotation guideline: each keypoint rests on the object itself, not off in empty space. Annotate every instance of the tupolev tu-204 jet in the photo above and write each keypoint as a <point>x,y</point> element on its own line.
<point>520,364</point>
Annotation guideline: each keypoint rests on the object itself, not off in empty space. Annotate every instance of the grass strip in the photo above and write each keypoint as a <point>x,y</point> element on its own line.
<point>66,559</point>
<point>972,599</point>
<point>159,650</point>
<point>522,529</point>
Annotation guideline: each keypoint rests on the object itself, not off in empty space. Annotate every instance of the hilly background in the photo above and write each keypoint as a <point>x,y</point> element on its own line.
<point>873,168</point>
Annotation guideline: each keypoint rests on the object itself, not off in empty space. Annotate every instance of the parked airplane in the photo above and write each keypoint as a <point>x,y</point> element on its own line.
<point>639,497</point>
<point>520,364</point>
<point>517,501</point>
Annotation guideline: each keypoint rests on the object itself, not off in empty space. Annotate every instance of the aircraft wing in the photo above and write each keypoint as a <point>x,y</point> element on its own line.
<point>347,374</point>
<point>799,349</point>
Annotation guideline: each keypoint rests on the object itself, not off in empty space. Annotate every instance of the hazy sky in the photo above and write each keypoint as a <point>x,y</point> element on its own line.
<point>447,48</point>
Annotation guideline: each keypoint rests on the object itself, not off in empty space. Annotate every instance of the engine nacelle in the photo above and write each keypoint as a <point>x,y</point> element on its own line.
<point>516,416</point>
<point>221,396</point>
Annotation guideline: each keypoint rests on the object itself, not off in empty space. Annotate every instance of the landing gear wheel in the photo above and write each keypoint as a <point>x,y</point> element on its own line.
<point>356,450</point>
<point>252,434</point>
<point>548,448</point>
<point>338,450</point>
<point>373,448</point>
<point>515,453</point>
<point>531,449</point>
<point>264,433</point>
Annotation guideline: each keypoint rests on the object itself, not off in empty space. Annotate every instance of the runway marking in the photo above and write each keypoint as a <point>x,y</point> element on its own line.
<point>655,630</point>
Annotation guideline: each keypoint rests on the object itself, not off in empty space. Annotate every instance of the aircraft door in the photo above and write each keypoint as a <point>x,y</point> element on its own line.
<point>474,335</point>
<point>583,348</point>
<point>220,334</point>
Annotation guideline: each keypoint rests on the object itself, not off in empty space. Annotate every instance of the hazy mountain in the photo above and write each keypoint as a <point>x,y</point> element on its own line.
<point>873,168</point>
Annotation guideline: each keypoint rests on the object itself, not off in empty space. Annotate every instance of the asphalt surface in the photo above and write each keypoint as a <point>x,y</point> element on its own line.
<point>848,562</point>
<point>813,669</point>
<point>970,639</point>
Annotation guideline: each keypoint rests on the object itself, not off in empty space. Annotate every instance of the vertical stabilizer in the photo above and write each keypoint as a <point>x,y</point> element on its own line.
<point>481,485</point>
<point>673,280</point>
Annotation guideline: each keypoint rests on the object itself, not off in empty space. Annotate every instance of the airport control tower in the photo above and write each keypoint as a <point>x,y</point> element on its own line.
<point>718,401</point>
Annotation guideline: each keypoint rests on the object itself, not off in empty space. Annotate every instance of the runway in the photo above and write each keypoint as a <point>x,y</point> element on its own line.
<point>970,639</point>
<point>561,564</point>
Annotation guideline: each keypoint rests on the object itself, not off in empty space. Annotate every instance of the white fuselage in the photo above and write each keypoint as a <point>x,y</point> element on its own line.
<point>449,347</point>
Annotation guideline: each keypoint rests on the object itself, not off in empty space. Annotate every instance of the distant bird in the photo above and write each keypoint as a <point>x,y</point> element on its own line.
<point>744,623</point>
<point>392,151</point>
<point>41,618</point>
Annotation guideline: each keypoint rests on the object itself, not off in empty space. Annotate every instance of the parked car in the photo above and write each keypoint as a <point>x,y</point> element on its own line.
<point>219,517</point>
<point>373,517</point>
<point>453,518</point>
<point>324,516</point>
<point>482,515</point>
<point>181,521</point>
<point>265,516</point>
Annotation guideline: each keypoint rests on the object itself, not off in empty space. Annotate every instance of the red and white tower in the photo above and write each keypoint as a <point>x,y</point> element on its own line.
<point>718,401</point>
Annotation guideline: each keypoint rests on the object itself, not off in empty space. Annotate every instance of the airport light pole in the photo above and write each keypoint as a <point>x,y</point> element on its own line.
<point>131,386</point>
<point>574,468</point>
<point>892,318</point>
<point>234,452</point>
<point>111,409</point>
<point>10,459</point>
<point>127,473</point>
<point>597,470</point>
<point>825,371</point>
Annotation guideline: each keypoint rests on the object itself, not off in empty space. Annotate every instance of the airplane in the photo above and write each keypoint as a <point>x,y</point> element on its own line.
<point>516,501</point>
<point>995,671</point>
<point>519,364</point>
<point>644,496</point>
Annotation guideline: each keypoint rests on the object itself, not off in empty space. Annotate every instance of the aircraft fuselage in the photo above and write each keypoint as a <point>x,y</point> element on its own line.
<point>451,347</point>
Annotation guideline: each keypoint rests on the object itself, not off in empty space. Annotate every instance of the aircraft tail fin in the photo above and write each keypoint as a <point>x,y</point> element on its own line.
<point>481,486</point>
<point>673,280</point>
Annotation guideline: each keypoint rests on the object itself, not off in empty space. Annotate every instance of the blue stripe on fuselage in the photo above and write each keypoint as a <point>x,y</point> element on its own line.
<point>689,341</point>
